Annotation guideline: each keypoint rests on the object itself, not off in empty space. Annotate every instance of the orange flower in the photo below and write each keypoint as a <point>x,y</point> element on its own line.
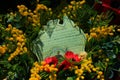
<point>2,50</point>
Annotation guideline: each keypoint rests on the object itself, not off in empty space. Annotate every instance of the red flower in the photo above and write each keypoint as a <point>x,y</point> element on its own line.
<point>71,56</point>
<point>112,5</point>
<point>51,60</point>
<point>64,65</point>
<point>100,5</point>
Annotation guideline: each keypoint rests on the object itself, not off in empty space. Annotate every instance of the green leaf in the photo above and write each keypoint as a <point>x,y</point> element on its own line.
<point>6,64</point>
<point>15,66</point>
<point>69,78</point>
<point>45,2</point>
<point>101,65</point>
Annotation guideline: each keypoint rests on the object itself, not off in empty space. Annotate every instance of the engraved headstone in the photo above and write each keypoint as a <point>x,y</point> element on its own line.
<point>56,38</point>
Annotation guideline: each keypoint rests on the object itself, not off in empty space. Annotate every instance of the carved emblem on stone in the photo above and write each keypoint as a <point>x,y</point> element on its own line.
<point>57,38</point>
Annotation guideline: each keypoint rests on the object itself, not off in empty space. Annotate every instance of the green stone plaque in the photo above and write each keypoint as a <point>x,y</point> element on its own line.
<point>57,38</point>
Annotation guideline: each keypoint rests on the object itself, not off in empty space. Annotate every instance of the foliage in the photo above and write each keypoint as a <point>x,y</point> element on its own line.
<point>19,28</point>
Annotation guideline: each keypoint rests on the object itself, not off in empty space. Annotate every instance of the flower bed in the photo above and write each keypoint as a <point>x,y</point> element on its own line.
<point>19,29</point>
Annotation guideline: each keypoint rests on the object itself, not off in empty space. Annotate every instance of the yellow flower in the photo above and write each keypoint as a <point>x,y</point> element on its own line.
<point>25,13</point>
<point>9,26</point>
<point>100,72</point>
<point>82,77</point>
<point>2,50</point>
<point>82,2</point>
<point>118,30</point>
<point>77,78</point>
<point>103,30</point>
<point>33,78</point>
<point>100,51</point>
<point>7,29</point>
<point>25,49</point>
<point>107,59</point>
<point>51,12</point>
<point>98,76</point>
<point>11,39</point>
<point>76,72</point>
<point>18,44</point>
<point>94,69</point>
<point>43,62</point>
<point>9,59</point>
<point>70,6</point>
<point>17,35</point>
<point>72,2</point>
<point>49,9</point>
<point>111,34</point>
<point>94,35</point>
<point>68,13</point>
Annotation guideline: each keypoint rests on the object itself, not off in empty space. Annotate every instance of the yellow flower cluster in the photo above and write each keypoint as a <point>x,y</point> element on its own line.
<point>33,16</point>
<point>40,7</point>
<point>101,56</point>
<point>71,9</point>
<point>43,67</point>
<point>87,66</point>
<point>19,38</point>
<point>106,61</point>
<point>100,32</point>
<point>98,18</point>
<point>23,10</point>
<point>118,30</point>
<point>3,49</point>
